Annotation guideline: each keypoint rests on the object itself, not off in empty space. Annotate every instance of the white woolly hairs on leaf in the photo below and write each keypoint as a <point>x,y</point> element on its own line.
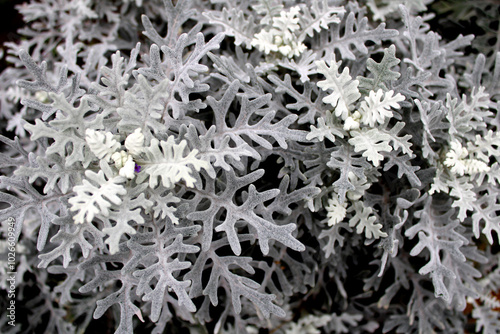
<point>101,143</point>
<point>135,142</point>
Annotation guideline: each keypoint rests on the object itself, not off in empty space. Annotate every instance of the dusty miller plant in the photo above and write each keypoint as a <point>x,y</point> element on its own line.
<point>241,166</point>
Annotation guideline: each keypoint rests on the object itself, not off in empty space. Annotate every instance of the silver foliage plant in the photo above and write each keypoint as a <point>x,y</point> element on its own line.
<point>237,166</point>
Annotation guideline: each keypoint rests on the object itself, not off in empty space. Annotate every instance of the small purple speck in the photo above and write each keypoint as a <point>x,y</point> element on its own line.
<point>137,168</point>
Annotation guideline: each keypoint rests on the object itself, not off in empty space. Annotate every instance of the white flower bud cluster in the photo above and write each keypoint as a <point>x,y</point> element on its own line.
<point>105,147</point>
<point>352,121</point>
